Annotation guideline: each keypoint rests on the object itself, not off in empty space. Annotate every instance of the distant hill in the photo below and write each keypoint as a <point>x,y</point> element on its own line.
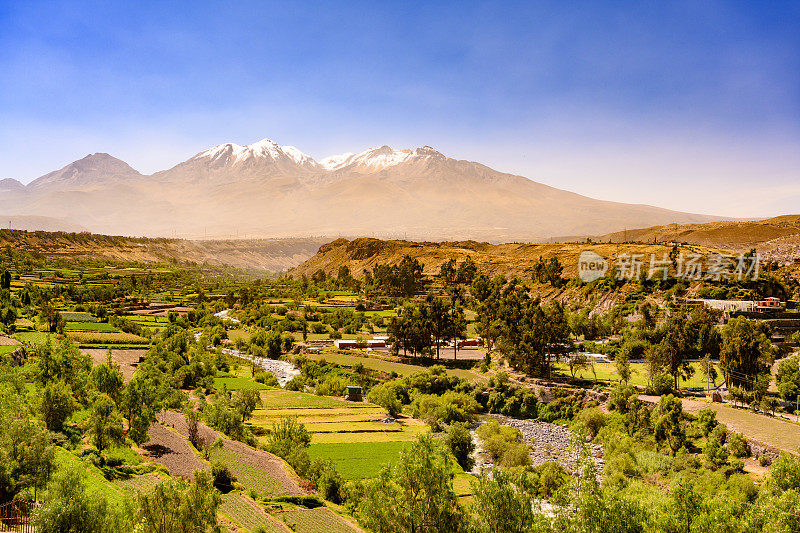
<point>514,259</point>
<point>272,255</point>
<point>267,190</point>
<point>36,223</point>
<point>777,238</point>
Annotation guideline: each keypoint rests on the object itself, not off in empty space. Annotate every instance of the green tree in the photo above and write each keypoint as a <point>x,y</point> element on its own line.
<point>69,507</point>
<point>180,507</point>
<point>415,495</point>
<point>459,440</point>
<point>622,363</point>
<point>501,503</point>
<point>57,404</point>
<point>246,402</point>
<point>746,353</point>
<point>105,423</point>
<point>668,422</point>
<point>107,378</point>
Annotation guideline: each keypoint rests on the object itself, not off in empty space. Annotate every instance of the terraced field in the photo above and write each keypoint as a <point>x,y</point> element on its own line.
<point>320,520</point>
<point>351,434</point>
<point>247,514</point>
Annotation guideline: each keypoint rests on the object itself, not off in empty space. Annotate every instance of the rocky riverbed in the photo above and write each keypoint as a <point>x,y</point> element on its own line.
<point>283,371</point>
<point>550,442</point>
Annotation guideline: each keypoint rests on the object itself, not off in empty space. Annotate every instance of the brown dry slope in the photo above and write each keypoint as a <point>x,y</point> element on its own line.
<point>777,237</point>
<point>513,259</point>
<point>273,255</point>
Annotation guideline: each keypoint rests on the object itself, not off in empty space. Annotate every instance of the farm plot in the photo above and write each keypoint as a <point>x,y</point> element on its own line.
<point>78,316</point>
<point>35,337</point>
<point>136,484</point>
<point>126,359</point>
<point>105,338</point>
<point>173,451</point>
<point>382,365</point>
<point>247,514</point>
<point>100,327</point>
<point>351,434</point>
<point>358,460</point>
<point>255,469</point>
<point>319,520</point>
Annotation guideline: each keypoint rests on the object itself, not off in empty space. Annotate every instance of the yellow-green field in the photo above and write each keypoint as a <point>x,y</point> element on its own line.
<point>381,365</point>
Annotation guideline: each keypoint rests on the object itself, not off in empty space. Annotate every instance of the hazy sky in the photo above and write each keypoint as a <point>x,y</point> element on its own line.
<point>688,105</point>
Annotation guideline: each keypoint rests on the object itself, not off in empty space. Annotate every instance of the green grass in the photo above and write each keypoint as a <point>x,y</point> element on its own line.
<point>34,337</point>
<point>124,454</point>
<point>607,373</point>
<point>358,460</point>
<point>237,383</point>
<point>284,399</point>
<point>78,316</point>
<point>96,483</point>
<point>7,348</point>
<point>381,365</point>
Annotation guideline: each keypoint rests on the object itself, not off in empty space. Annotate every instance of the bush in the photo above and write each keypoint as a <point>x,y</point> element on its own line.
<point>738,445</point>
<point>385,395</point>
<point>618,401</point>
<point>660,384</point>
<point>459,440</point>
<point>592,420</point>
<point>498,440</point>
<point>222,478</point>
<point>266,378</point>
<point>707,420</point>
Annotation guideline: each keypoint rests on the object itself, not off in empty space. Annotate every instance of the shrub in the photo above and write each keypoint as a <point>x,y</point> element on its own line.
<point>592,420</point>
<point>222,477</point>
<point>266,378</point>
<point>707,420</point>
<point>618,401</point>
<point>385,395</point>
<point>660,384</point>
<point>738,445</point>
<point>459,440</point>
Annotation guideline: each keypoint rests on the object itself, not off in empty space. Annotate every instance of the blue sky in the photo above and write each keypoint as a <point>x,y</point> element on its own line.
<point>689,105</point>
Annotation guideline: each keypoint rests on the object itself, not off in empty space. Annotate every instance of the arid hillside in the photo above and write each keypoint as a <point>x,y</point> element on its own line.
<point>775,238</point>
<point>272,255</point>
<point>513,259</point>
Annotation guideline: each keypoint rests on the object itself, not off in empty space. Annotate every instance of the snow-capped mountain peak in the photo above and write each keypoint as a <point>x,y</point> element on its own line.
<point>375,159</point>
<point>231,153</point>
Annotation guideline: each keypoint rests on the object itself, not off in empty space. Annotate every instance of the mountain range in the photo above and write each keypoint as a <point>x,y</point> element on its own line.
<point>267,190</point>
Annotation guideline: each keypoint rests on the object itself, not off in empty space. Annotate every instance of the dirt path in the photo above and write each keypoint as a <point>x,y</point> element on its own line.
<point>767,430</point>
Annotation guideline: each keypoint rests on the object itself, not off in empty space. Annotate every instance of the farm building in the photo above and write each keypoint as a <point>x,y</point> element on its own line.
<point>344,344</point>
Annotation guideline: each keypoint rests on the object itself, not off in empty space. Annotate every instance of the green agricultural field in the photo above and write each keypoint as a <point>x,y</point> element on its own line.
<point>35,337</point>
<point>607,374</point>
<point>381,365</point>
<point>250,477</point>
<point>7,348</point>
<point>237,383</point>
<point>284,399</point>
<point>320,520</point>
<point>246,513</point>
<point>358,460</point>
<point>76,316</point>
<point>100,327</point>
